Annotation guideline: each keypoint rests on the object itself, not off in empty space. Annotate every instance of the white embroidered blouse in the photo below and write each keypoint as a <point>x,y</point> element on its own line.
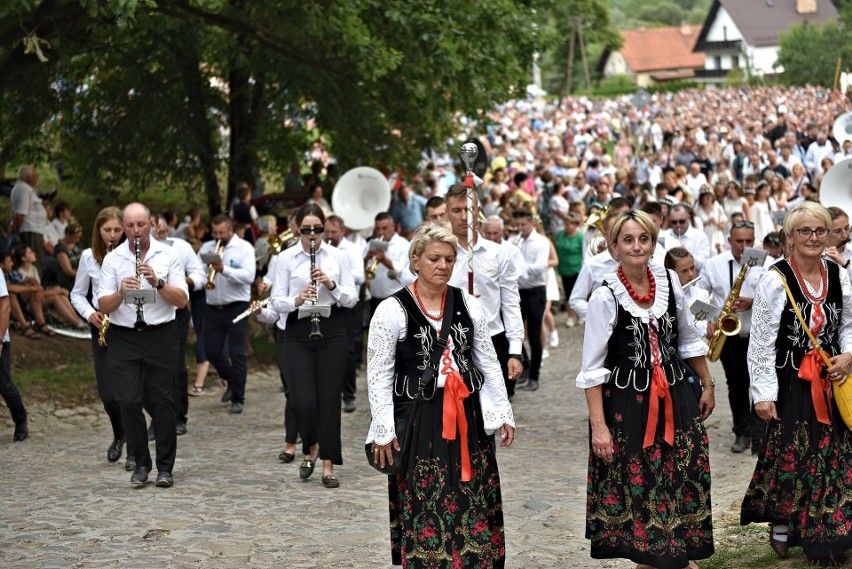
<point>388,327</point>
<point>604,306</point>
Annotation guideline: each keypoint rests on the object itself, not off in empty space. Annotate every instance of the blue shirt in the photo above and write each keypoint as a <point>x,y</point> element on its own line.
<point>409,215</point>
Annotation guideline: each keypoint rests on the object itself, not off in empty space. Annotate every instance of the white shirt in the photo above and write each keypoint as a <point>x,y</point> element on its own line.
<point>88,274</point>
<point>293,273</point>
<point>355,258</point>
<point>695,241</point>
<point>121,263</point>
<point>605,308</point>
<point>55,231</point>
<point>382,286</point>
<point>233,284</point>
<point>536,252</point>
<point>495,280</point>
<point>26,202</point>
<point>770,298</point>
<point>4,292</point>
<point>717,278</point>
<point>591,277</point>
<point>389,327</point>
<point>189,261</point>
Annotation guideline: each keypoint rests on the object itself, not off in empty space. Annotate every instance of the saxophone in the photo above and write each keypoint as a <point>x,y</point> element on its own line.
<point>728,323</point>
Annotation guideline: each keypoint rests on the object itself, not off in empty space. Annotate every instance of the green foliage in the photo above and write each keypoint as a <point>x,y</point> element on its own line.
<point>623,85</point>
<point>628,14</point>
<point>664,13</point>
<point>809,53</point>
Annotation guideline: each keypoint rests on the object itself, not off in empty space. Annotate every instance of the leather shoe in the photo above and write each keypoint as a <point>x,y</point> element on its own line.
<point>349,405</point>
<point>130,463</point>
<point>180,428</point>
<point>741,443</point>
<point>226,396</point>
<point>286,456</point>
<point>236,408</point>
<point>151,435</point>
<point>22,431</point>
<point>532,385</point>
<point>139,476</point>
<point>306,469</point>
<point>781,548</point>
<point>114,450</point>
<point>330,481</point>
<point>165,479</point>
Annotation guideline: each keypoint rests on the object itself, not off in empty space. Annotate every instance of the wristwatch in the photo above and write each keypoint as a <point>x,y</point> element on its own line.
<point>518,357</point>
<point>846,264</point>
<point>160,284</point>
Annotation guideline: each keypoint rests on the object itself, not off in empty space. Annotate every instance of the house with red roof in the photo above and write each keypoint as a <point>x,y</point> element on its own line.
<point>654,55</point>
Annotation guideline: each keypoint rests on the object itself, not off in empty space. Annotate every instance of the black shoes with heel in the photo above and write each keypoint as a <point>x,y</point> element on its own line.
<point>114,450</point>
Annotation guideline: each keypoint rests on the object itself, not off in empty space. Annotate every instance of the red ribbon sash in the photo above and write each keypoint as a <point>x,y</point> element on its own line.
<point>455,392</point>
<point>810,369</point>
<point>659,390</point>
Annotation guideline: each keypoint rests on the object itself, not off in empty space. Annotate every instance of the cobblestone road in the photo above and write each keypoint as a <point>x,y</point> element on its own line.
<point>235,505</point>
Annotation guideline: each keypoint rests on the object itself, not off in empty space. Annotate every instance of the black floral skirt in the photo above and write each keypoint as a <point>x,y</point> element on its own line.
<point>436,520</point>
<point>803,477</point>
<point>651,505</point>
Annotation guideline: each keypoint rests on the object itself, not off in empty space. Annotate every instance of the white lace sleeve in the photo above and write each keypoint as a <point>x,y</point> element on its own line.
<point>769,301</point>
<point>493,399</point>
<point>846,315</point>
<point>689,339</point>
<point>596,339</point>
<point>386,328</point>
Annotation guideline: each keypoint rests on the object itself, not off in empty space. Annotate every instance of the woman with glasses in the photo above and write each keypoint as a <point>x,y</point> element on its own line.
<point>648,496</point>
<point>314,366</point>
<point>801,485</point>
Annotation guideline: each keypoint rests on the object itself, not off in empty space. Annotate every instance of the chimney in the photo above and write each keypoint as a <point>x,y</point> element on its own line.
<point>685,29</point>
<point>806,6</point>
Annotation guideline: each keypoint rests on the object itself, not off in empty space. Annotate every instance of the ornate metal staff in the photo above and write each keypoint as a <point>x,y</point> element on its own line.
<point>468,154</point>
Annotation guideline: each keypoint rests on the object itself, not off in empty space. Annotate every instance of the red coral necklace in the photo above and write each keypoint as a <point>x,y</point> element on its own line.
<point>440,316</point>
<point>639,299</point>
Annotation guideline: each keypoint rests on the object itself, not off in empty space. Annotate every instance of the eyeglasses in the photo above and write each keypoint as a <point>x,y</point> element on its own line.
<point>806,232</point>
<point>317,229</point>
<point>739,224</point>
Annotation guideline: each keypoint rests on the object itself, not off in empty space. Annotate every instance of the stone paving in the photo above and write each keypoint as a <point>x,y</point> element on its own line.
<point>235,505</point>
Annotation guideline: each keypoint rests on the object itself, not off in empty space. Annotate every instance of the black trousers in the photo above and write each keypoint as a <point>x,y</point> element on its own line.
<point>314,369</point>
<point>354,335</point>
<point>197,309</point>
<point>8,389</point>
<point>143,365</point>
<point>106,386</point>
<point>291,429</point>
<point>733,360</point>
<point>501,346</point>
<point>219,331</point>
<point>533,301</point>
<point>182,319</point>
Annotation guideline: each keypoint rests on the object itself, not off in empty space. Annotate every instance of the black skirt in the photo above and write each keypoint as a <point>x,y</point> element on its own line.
<point>436,520</point>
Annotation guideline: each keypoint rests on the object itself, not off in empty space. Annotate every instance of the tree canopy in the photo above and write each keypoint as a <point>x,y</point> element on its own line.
<point>189,93</point>
<point>809,53</point>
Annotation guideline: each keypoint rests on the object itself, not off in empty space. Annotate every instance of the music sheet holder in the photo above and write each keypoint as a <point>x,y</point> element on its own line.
<point>141,296</point>
<point>307,310</point>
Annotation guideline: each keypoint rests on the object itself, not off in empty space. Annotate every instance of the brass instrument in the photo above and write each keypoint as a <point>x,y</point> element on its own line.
<point>278,243</point>
<point>315,317</point>
<point>140,323</point>
<point>370,270</point>
<point>596,221</point>
<point>102,333</point>
<point>728,323</point>
<point>211,272</point>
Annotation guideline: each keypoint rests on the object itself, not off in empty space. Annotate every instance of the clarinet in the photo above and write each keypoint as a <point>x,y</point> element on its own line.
<point>315,318</point>
<point>140,309</point>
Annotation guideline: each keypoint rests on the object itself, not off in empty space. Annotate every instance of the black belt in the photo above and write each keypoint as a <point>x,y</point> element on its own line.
<point>147,328</point>
<point>229,305</point>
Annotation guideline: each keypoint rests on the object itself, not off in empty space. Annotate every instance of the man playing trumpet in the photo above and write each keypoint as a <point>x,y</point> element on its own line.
<point>233,275</point>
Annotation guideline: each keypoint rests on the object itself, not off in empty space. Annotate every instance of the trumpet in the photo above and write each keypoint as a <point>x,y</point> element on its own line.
<point>140,323</point>
<point>211,272</point>
<point>370,270</point>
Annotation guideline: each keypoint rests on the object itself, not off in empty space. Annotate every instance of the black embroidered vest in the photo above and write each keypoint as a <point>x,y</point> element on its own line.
<point>792,342</point>
<point>414,351</point>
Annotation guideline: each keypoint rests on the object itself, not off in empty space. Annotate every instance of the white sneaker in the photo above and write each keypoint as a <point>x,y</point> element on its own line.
<point>571,322</point>
<point>554,339</point>
<point>545,354</point>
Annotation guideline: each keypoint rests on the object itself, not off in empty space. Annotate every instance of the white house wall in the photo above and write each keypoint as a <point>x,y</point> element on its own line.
<point>762,58</point>
<point>723,27</point>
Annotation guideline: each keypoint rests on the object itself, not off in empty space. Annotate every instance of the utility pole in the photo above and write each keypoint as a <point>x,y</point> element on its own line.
<point>576,35</point>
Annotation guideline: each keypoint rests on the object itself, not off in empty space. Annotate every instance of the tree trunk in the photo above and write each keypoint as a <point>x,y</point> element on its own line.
<point>246,98</point>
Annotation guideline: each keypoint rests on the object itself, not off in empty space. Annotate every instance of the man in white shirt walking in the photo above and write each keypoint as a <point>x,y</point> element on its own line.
<point>229,297</point>
<point>693,240</point>
<point>391,270</point>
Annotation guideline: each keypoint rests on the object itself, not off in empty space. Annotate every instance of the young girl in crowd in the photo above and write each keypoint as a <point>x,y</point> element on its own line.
<point>26,273</point>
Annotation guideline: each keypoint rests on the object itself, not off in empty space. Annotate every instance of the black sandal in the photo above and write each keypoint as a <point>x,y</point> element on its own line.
<point>30,333</point>
<point>45,329</point>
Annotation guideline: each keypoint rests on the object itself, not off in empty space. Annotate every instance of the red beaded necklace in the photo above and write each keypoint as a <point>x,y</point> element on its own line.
<point>639,299</point>
<point>440,316</point>
<point>804,285</point>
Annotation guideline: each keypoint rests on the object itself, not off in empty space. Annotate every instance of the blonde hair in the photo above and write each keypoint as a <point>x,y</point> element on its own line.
<point>805,209</point>
<point>640,217</point>
<point>426,234</point>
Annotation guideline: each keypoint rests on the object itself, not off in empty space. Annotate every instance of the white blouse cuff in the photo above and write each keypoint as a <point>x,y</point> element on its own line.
<point>692,349</point>
<point>592,378</point>
<point>382,430</point>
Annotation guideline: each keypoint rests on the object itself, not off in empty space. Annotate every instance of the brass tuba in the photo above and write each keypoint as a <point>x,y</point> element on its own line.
<point>728,323</point>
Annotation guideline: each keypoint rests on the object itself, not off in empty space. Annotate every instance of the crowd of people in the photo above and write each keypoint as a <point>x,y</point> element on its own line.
<point>619,219</point>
